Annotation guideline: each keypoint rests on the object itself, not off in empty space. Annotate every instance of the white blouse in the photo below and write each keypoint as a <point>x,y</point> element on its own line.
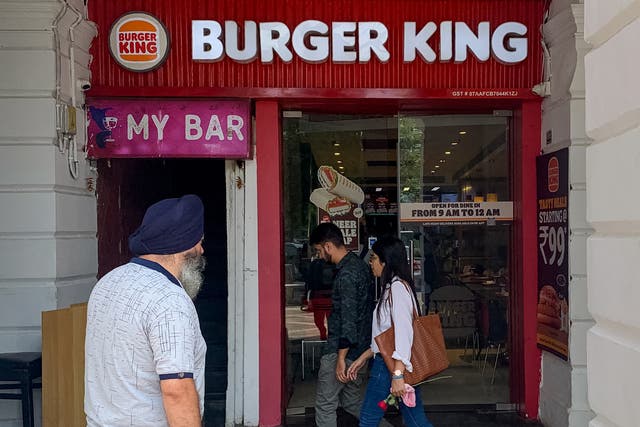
<point>402,312</point>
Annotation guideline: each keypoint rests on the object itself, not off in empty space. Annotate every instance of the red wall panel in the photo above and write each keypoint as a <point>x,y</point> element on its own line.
<point>270,264</point>
<point>180,75</point>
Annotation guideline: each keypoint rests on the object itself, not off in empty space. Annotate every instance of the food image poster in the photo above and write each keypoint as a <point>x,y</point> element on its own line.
<point>553,252</point>
<point>347,223</point>
<point>339,201</point>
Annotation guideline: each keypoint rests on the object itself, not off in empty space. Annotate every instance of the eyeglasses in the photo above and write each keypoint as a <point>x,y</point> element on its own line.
<point>315,252</point>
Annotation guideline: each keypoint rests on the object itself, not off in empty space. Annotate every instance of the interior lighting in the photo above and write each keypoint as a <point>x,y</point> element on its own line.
<point>433,171</point>
<point>437,166</point>
<point>406,189</point>
<point>454,143</point>
<point>447,152</point>
<point>435,188</point>
<point>336,154</point>
<point>442,160</point>
<point>341,167</point>
<point>339,161</point>
<point>378,189</point>
<point>463,132</point>
<point>336,144</point>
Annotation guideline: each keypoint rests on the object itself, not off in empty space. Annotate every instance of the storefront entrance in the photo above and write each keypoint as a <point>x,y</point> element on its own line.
<point>442,183</point>
<point>125,189</point>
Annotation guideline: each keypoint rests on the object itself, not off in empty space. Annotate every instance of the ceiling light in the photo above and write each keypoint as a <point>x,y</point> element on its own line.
<point>378,189</point>
<point>336,144</point>
<point>463,132</point>
<point>454,143</point>
<point>406,189</point>
<point>435,188</point>
<point>433,171</point>
<point>441,160</point>
<point>437,166</point>
<point>339,161</point>
<point>447,152</point>
<point>340,167</point>
<point>336,154</point>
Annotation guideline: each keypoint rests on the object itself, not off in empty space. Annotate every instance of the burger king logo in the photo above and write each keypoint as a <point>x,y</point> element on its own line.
<point>138,42</point>
<point>553,173</point>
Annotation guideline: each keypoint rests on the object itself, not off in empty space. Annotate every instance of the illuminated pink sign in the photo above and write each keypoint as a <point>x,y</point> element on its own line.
<point>169,128</point>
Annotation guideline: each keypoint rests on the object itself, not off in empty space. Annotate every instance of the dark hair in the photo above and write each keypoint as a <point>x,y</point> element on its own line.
<point>392,252</point>
<point>326,232</point>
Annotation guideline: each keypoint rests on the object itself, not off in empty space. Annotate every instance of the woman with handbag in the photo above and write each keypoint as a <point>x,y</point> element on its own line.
<point>395,307</point>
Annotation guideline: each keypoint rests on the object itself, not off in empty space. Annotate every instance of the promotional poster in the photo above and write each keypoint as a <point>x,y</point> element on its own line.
<point>553,256</point>
<point>338,201</point>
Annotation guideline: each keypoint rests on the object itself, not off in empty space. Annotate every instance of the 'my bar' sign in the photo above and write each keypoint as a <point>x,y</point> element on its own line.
<point>168,128</point>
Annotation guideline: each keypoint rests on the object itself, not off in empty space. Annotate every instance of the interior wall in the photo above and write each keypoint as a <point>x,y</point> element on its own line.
<point>612,28</point>
<point>48,222</point>
<point>563,389</point>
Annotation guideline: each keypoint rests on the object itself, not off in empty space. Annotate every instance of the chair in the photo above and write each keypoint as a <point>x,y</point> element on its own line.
<point>19,370</point>
<point>497,334</point>
<point>456,306</point>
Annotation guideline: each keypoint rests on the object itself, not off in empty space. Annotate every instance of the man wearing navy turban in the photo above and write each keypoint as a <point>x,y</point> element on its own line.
<point>144,351</point>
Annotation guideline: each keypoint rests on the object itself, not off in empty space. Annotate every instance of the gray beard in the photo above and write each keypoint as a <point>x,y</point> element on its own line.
<point>191,276</point>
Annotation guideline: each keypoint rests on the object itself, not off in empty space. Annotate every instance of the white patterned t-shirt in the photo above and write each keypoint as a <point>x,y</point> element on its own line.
<point>142,328</point>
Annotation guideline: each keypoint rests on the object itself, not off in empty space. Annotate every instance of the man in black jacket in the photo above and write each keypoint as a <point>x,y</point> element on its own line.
<point>349,326</point>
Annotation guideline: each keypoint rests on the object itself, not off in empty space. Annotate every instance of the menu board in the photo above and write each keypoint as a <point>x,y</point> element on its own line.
<point>553,252</point>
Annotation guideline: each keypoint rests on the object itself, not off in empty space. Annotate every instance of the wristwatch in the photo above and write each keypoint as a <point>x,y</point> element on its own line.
<point>397,375</point>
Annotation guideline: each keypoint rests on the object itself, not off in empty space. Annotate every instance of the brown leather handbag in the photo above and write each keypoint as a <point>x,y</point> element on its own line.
<point>428,353</point>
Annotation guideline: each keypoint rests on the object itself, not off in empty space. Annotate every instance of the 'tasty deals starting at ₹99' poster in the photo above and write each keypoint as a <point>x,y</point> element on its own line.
<point>339,201</point>
<point>553,253</point>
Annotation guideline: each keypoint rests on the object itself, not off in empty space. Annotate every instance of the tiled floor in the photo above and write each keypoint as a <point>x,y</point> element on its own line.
<point>440,396</point>
<point>464,383</point>
<point>467,385</point>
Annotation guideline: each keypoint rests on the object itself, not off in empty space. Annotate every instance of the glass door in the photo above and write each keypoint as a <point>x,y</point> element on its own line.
<point>340,168</point>
<point>441,183</point>
<point>455,219</point>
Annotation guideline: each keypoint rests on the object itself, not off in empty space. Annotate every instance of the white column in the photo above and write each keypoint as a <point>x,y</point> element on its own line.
<point>47,219</point>
<point>563,391</point>
<point>242,406</point>
<point>612,28</point>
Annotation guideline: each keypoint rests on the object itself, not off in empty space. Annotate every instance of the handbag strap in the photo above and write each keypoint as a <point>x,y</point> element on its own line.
<point>413,300</point>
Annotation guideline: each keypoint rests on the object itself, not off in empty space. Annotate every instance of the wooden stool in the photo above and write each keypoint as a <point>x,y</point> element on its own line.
<point>19,370</point>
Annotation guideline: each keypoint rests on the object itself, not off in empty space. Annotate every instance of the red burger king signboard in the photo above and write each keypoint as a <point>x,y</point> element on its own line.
<point>138,42</point>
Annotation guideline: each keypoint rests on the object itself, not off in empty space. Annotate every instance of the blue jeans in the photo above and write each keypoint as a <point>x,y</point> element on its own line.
<point>377,390</point>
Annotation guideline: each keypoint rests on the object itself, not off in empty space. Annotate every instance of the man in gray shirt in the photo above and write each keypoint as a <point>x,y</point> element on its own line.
<point>144,352</point>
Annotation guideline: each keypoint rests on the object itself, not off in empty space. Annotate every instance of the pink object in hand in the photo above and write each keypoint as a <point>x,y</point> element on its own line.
<point>409,397</point>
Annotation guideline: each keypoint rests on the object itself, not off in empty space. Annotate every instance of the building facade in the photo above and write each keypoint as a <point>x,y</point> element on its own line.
<point>47,200</point>
<point>60,228</point>
<point>612,125</point>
